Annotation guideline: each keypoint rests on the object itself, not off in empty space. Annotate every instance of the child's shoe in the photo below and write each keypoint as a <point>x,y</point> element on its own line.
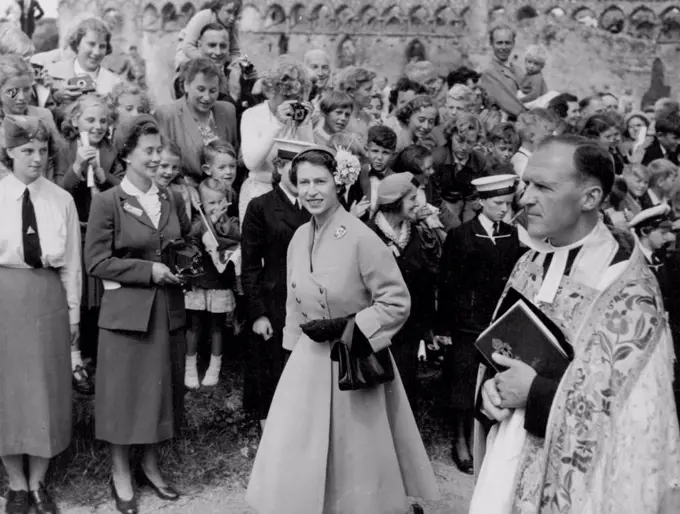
<point>191,373</point>
<point>212,376</point>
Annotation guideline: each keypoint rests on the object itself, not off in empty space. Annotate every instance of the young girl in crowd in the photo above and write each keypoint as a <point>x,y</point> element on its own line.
<point>213,291</point>
<point>127,101</point>
<point>169,175</point>
<point>336,108</point>
<point>375,109</point>
<point>414,123</point>
<point>94,169</point>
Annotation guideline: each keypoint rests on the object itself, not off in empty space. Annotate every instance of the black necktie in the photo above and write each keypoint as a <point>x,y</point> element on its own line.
<point>496,229</point>
<point>29,229</point>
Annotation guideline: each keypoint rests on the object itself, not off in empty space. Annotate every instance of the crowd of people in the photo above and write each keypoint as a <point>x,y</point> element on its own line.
<point>348,228</point>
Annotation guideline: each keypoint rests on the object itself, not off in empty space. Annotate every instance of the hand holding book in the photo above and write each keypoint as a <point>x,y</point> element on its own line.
<point>513,384</point>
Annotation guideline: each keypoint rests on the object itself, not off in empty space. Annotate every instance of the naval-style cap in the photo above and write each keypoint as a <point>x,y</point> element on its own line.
<point>495,185</point>
<point>288,148</point>
<point>394,187</point>
<point>20,130</point>
<point>655,217</point>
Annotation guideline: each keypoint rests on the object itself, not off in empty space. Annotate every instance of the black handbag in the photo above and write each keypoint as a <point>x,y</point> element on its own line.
<point>358,366</point>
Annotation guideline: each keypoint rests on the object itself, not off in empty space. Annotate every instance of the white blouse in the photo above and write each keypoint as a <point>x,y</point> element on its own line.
<point>58,228</point>
<point>149,201</point>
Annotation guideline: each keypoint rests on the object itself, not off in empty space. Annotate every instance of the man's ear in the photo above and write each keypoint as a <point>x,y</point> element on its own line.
<point>592,196</point>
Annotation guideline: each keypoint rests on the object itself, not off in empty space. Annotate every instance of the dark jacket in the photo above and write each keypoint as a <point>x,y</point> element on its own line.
<point>449,183</point>
<point>268,226</point>
<point>473,273</point>
<point>122,245</point>
<point>228,235</point>
<point>654,151</point>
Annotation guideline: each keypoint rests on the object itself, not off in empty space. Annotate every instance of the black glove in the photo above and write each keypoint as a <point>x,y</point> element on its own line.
<point>324,330</point>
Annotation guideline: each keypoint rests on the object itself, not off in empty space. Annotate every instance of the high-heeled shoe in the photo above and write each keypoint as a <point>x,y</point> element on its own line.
<point>124,506</point>
<point>167,492</point>
<point>466,466</point>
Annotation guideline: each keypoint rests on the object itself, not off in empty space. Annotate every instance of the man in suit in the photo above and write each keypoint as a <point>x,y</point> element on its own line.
<point>501,79</point>
<point>667,139</point>
<point>476,262</point>
<point>268,226</point>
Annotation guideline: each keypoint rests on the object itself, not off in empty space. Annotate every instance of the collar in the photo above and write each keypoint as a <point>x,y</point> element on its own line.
<point>132,190</point>
<point>524,151</point>
<point>507,65</point>
<point>654,198</point>
<point>78,70</point>
<point>487,224</point>
<point>16,187</point>
<point>293,199</point>
<point>647,253</point>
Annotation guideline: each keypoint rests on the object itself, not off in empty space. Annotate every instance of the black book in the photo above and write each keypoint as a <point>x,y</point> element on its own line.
<point>520,333</point>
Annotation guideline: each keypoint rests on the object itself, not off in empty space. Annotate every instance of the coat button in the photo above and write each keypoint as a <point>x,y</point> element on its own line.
<point>298,300</point>
<point>323,306</point>
<point>293,285</point>
<point>321,290</point>
<point>158,252</point>
<point>304,314</point>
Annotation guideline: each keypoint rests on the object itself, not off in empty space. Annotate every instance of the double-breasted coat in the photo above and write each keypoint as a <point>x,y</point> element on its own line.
<point>472,274</point>
<point>140,373</point>
<point>268,226</point>
<point>326,451</point>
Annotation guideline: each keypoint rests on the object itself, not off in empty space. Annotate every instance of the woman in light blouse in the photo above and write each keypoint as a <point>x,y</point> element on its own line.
<point>140,370</point>
<point>285,84</point>
<point>40,280</point>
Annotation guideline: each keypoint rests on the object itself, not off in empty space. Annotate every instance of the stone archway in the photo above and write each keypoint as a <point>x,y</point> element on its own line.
<point>613,20</point>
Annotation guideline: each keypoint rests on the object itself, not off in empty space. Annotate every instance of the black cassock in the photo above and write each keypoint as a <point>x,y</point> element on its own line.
<point>268,226</point>
<point>473,271</point>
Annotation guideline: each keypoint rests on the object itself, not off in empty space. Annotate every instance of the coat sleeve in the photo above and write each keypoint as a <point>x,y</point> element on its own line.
<point>451,271</point>
<point>99,246</point>
<point>257,139</point>
<point>291,330</point>
<point>253,247</point>
<point>391,300</point>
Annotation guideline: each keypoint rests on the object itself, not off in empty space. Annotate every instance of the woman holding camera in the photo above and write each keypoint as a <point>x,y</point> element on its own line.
<point>140,379</point>
<point>352,451</point>
<point>286,114</point>
<point>198,117</point>
<point>91,42</point>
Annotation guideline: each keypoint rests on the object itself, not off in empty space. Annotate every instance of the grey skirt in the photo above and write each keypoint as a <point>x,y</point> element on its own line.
<point>35,363</point>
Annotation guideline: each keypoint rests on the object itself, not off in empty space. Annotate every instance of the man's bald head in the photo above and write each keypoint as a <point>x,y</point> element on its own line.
<point>318,65</point>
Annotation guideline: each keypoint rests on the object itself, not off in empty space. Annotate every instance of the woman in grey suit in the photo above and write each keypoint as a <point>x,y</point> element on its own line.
<point>140,376</point>
<point>198,118</point>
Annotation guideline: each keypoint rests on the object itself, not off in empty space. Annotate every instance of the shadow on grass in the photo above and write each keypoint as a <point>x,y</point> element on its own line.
<point>216,447</point>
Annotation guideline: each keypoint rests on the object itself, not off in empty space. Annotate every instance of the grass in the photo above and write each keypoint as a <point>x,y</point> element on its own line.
<point>217,445</point>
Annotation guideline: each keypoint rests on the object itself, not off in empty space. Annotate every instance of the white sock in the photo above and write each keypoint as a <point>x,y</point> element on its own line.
<point>212,375</point>
<point>191,372</point>
<point>76,359</point>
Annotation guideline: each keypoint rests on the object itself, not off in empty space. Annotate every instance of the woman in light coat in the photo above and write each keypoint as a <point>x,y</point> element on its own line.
<point>323,450</point>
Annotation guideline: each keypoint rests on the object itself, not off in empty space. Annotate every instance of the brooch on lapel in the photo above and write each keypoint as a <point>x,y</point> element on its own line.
<point>163,195</point>
<point>132,209</point>
<point>340,232</point>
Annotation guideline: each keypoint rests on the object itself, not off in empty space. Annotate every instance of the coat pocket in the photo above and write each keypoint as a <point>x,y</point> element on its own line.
<point>127,308</point>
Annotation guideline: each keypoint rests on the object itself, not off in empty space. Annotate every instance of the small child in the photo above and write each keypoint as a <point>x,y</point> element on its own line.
<point>533,85</point>
<point>380,149</point>
<point>637,178</point>
<point>503,143</point>
<point>219,160</point>
<point>127,101</point>
<point>375,109</point>
<point>212,292</point>
<point>336,107</point>
<point>169,175</point>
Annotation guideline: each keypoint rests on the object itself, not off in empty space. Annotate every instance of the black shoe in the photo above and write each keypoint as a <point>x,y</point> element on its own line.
<point>17,502</point>
<point>166,492</point>
<point>42,501</point>
<point>124,506</point>
<point>466,466</point>
<point>417,509</point>
<point>81,382</point>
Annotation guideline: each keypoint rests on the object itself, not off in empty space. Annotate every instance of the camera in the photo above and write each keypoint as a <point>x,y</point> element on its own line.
<point>299,112</point>
<point>84,82</point>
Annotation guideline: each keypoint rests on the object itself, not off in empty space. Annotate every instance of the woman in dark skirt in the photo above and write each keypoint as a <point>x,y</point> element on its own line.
<point>40,280</point>
<point>417,252</point>
<point>140,378</point>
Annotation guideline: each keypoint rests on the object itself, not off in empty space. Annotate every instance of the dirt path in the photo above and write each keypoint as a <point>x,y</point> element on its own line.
<point>455,488</point>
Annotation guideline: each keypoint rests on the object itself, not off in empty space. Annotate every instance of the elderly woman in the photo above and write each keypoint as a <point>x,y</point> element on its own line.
<point>414,122</point>
<point>355,450</point>
<point>40,280</point>
<point>16,93</point>
<point>224,12</point>
<point>417,251</point>
<point>358,83</point>
<point>198,117</point>
<point>91,42</point>
<point>284,115</point>
<point>140,376</point>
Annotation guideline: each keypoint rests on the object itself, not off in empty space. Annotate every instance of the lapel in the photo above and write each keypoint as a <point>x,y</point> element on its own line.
<point>166,208</point>
<point>188,125</point>
<point>132,209</point>
<point>481,237</point>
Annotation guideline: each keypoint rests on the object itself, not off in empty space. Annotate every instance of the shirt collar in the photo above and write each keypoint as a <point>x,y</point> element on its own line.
<point>487,224</point>
<point>293,199</point>
<point>78,70</point>
<point>16,187</point>
<point>647,253</point>
<point>524,151</point>
<point>129,188</point>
